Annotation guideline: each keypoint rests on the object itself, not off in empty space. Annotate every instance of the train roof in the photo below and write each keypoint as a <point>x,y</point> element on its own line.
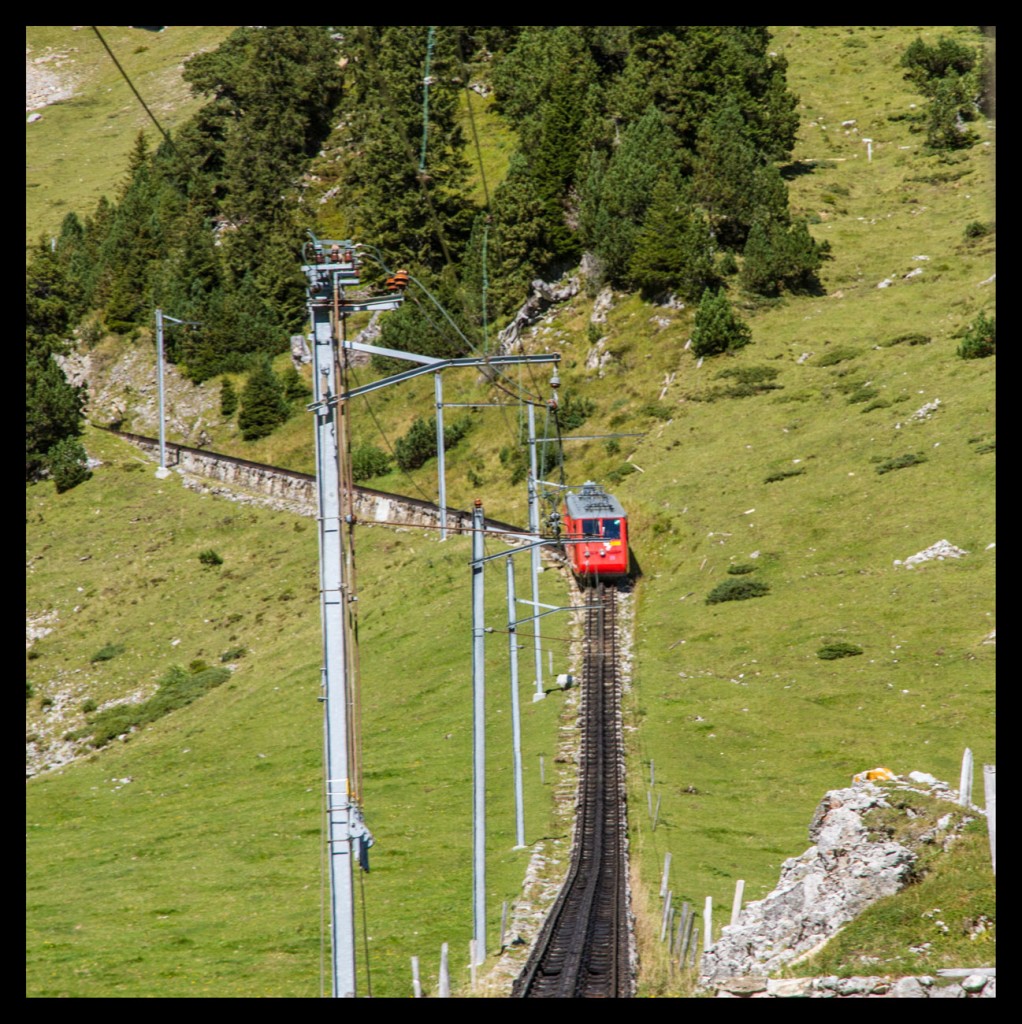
<point>593,502</point>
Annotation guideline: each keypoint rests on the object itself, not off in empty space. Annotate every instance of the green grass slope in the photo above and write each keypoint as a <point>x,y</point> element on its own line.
<point>769,459</point>
<point>185,859</point>
<point>77,152</point>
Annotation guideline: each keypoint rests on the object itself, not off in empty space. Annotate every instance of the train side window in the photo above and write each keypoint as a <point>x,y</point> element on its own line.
<point>590,527</point>
<point>612,529</point>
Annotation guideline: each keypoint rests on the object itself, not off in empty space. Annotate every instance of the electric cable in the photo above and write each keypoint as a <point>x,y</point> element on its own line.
<point>369,50</point>
<point>436,224</point>
<point>426,82</point>
<point>131,85</point>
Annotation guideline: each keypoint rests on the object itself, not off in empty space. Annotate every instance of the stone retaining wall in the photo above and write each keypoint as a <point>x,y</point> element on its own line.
<point>296,493</point>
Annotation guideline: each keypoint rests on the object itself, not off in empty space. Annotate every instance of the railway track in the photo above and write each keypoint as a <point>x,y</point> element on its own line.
<point>583,949</point>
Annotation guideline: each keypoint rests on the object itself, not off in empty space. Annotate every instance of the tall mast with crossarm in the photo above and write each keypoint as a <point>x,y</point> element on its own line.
<point>331,267</point>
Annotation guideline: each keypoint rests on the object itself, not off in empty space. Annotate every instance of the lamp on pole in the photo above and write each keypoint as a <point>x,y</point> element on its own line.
<point>162,473</point>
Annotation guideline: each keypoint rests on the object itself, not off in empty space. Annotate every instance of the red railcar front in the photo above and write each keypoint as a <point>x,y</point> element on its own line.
<point>599,521</point>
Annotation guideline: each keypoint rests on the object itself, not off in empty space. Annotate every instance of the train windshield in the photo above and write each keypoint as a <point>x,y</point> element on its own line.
<point>612,529</point>
<point>590,527</point>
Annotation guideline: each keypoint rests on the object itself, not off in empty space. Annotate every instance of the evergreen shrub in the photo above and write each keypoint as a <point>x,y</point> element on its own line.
<point>68,464</point>
<point>783,475</point>
<point>908,459</point>
<point>980,340</point>
<point>977,229</point>
<point>736,590</point>
<point>368,461</point>
<point>176,689</point>
<point>837,355</point>
<point>106,653</point>
<point>228,398</point>
<point>717,327</point>
<point>829,652</point>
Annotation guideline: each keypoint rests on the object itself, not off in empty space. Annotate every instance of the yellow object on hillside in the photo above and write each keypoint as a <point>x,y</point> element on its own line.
<point>874,775</point>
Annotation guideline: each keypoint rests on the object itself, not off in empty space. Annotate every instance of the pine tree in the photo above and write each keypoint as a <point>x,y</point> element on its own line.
<point>295,389</point>
<point>68,464</point>
<point>948,110</point>
<point>778,257</point>
<point>263,407</point>
<point>688,71</point>
<point>673,249</point>
<point>53,406</point>
<point>727,174</point>
<point>717,327</point>
<point>647,152</point>
<point>228,398</point>
<point>53,411</point>
<point>406,180</point>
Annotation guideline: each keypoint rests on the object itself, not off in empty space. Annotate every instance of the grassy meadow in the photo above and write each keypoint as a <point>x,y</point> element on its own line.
<point>203,874</point>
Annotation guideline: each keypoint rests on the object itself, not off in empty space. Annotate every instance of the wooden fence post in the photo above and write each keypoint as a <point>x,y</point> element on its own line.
<point>990,796</point>
<point>708,924</point>
<point>503,924</point>
<point>663,879</point>
<point>416,987</point>
<point>656,813</point>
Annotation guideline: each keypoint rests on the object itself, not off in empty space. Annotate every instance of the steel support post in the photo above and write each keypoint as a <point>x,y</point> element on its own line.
<point>333,610</point>
<point>534,560</point>
<point>162,471</point>
<point>438,389</point>
<point>516,722</point>
<point>479,741</point>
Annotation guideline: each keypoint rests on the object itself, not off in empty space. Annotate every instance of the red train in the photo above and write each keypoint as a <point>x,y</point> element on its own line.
<point>592,512</point>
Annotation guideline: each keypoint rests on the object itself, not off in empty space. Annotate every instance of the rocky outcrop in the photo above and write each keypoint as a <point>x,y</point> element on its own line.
<point>847,868</point>
<point>542,297</point>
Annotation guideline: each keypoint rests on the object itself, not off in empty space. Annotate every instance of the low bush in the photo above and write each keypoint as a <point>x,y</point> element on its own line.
<point>907,339</point>
<point>740,570</point>
<point>177,689</point>
<point>908,459</point>
<point>783,475</point>
<point>368,461</point>
<point>980,340</point>
<point>210,557</point>
<point>977,229</point>
<point>106,653</point>
<point>68,464</point>
<point>862,394</point>
<point>837,355</point>
<point>838,650</point>
<point>736,590</point>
